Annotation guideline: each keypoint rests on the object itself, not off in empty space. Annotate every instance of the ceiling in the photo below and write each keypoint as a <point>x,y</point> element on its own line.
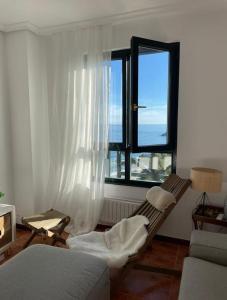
<point>45,13</point>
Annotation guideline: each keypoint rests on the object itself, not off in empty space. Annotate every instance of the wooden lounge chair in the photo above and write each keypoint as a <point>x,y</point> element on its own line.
<point>51,223</point>
<point>175,185</point>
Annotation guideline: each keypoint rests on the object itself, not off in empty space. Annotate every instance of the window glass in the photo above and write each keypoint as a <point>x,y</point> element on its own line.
<point>115,165</point>
<point>143,91</point>
<point>153,89</point>
<point>115,103</point>
<point>153,167</point>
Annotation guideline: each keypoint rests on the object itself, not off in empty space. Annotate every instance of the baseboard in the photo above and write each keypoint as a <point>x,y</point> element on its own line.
<point>159,237</point>
<point>22,227</point>
<point>102,227</point>
<point>171,240</point>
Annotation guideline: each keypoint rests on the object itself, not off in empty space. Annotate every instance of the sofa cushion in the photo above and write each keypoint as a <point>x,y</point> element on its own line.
<point>45,273</point>
<point>202,280</point>
<point>209,246</point>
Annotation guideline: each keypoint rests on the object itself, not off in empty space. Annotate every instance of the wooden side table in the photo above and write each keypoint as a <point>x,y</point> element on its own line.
<point>210,216</point>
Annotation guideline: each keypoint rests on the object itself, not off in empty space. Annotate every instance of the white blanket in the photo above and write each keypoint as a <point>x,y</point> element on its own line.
<point>116,245</point>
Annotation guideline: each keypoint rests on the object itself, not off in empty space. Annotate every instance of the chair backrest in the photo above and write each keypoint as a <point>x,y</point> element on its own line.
<point>173,184</point>
<point>176,185</point>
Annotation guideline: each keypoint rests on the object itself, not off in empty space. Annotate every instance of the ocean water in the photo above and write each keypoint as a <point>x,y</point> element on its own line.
<point>148,134</point>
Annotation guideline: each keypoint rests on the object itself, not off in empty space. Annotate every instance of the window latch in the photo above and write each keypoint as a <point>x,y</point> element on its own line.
<point>136,107</point>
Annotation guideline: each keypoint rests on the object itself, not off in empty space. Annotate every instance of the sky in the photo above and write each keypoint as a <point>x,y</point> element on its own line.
<point>152,89</point>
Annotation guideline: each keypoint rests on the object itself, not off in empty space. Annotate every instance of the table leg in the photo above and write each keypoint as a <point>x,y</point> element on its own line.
<point>201,225</point>
<point>195,223</point>
<point>30,239</point>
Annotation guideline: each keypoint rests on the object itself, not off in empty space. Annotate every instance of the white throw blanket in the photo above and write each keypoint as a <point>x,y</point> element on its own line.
<point>116,245</point>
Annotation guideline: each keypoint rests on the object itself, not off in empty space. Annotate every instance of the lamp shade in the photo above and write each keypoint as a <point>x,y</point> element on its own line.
<point>206,180</point>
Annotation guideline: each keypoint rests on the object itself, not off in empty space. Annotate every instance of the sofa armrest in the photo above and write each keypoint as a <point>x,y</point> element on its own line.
<point>209,246</point>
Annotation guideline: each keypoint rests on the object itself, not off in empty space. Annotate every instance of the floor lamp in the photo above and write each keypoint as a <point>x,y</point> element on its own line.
<point>206,181</point>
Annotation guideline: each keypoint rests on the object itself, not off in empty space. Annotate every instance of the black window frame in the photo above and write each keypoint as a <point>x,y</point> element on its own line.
<point>129,143</point>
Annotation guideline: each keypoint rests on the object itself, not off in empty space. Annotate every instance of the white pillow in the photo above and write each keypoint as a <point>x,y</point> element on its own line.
<point>160,198</point>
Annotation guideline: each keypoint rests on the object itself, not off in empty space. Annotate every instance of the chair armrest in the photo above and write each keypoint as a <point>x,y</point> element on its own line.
<point>209,246</point>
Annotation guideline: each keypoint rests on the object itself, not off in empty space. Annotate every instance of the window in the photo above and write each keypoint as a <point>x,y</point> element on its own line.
<point>143,113</point>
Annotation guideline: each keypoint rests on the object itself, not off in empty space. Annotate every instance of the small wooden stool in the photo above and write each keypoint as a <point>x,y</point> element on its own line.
<point>51,223</point>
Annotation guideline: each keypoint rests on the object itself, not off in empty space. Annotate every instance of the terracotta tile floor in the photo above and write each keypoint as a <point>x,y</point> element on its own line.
<point>136,285</point>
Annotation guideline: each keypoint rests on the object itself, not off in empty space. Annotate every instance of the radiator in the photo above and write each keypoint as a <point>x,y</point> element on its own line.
<point>116,209</point>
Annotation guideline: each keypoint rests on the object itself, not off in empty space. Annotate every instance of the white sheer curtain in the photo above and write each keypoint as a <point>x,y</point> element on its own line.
<point>78,70</point>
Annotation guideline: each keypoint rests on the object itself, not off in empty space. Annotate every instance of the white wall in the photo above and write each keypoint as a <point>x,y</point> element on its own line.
<point>202,121</point>
<point>37,84</point>
<point>26,98</point>
<point>6,182</point>
<point>17,67</point>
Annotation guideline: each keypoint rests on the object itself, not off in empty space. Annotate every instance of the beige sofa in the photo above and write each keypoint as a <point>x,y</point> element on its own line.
<point>205,270</point>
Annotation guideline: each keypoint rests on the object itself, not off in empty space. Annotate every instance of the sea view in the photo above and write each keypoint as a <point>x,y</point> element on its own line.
<point>148,134</point>
<point>144,166</point>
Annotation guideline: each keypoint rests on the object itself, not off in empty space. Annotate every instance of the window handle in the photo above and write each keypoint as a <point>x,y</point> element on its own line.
<point>136,107</point>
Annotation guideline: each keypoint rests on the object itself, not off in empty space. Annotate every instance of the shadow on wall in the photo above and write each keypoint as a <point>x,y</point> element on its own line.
<point>216,163</point>
<point>183,172</point>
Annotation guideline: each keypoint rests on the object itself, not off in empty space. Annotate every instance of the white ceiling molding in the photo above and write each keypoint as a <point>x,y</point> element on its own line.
<point>113,19</point>
<point>19,27</point>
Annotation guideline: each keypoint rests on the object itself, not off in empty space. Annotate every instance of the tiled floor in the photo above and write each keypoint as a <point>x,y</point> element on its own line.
<point>138,285</point>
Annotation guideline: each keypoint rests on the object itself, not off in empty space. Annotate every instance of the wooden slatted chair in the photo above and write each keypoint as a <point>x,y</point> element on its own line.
<point>175,185</point>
